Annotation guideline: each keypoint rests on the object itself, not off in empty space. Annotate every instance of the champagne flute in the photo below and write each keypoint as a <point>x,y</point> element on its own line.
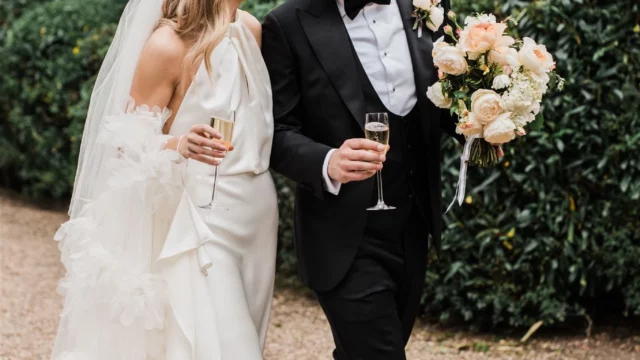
<point>376,128</point>
<point>225,128</point>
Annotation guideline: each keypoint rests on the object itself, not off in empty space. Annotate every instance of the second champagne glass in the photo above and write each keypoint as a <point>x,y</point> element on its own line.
<point>376,128</point>
<point>225,128</point>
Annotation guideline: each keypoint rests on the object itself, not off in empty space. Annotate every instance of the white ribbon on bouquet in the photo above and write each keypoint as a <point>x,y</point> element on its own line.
<point>462,178</point>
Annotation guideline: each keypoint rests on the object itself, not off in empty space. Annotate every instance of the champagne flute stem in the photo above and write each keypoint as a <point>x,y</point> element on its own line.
<point>215,184</point>
<point>380,195</point>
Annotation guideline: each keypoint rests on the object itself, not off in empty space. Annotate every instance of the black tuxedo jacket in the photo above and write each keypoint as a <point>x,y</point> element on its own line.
<point>318,104</point>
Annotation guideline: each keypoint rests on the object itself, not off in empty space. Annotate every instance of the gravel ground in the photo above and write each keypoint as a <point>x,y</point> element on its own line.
<point>29,308</point>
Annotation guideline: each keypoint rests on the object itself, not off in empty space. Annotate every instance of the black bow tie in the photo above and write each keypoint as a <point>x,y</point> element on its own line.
<point>353,7</point>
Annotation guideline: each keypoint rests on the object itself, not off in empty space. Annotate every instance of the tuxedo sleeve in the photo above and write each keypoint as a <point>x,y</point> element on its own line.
<point>294,154</point>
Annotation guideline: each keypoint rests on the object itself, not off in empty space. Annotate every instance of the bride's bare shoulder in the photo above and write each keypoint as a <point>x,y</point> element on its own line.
<point>165,46</point>
<point>159,68</point>
<point>253,24</point>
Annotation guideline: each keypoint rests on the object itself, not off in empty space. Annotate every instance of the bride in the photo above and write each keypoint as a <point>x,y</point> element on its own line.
<point>152,272</point>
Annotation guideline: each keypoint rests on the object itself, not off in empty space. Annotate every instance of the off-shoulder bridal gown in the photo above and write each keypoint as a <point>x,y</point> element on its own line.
<point>201,287</point>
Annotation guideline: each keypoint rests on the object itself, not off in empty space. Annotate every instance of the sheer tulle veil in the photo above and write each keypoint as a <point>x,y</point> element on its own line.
<point>114,304</point>
<point>110,96</point>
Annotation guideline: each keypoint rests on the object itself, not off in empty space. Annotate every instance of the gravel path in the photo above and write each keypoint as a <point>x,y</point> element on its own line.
<point>29,308</point>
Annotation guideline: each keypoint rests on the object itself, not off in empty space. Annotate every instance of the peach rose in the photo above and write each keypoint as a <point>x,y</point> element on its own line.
<point>449,59</point>
<point>536,59</point>
<point>481,36</point>
<point>485,104</point>
<point>469,126</point>
<point>501,130</point>
<point>506,57</point>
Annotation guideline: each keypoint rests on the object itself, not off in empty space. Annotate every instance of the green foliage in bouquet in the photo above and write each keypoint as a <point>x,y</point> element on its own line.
<point>554,231</point>
<point>49,59</point>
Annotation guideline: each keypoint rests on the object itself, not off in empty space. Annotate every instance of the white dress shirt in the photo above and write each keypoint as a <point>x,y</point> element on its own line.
<point>380,41</point>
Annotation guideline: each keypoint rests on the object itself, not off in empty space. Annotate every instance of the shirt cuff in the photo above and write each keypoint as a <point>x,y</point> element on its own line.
<point>331,186</point>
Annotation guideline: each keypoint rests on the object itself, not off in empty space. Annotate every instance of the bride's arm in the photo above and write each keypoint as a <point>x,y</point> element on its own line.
<point>159,68</point>
<point>158,72</point>
<point>157,76</point>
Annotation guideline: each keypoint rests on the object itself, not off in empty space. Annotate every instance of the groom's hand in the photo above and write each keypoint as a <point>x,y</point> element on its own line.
<point>356,160</point>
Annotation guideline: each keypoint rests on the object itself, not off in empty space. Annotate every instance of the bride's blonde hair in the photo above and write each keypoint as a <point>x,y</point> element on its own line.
<point>201,22</point>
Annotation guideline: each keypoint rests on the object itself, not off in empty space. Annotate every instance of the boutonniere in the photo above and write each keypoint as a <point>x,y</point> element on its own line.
<point>429,12</point>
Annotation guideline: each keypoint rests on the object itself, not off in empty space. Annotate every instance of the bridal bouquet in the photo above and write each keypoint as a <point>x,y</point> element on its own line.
<point>492,82</point>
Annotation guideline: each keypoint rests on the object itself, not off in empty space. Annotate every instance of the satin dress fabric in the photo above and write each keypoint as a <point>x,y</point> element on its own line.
<point>224,314</point>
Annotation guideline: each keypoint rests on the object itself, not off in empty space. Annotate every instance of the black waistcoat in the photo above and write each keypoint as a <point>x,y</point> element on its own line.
<point>399,167</point>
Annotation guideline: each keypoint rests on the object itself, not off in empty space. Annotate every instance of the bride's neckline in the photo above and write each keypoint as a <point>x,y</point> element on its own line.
<point>236,20</point>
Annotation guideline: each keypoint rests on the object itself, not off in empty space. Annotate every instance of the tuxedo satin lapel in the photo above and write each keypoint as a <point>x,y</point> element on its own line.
<point>330,40</point>
<point>425,72</point>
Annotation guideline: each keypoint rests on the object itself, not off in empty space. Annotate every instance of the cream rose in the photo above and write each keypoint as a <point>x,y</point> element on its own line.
<point>434,93</point>
<point>506,57</point>
<point>536,58</point>
<point>423,4</point>
<point>436,18</point>
<point>469,126</point>
<point>449,59</point>
<point>485,104</point>
<point>501,130</point>
<point>480,37</point>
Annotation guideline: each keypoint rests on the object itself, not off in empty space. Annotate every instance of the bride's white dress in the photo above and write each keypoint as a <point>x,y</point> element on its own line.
<point>194,284</point>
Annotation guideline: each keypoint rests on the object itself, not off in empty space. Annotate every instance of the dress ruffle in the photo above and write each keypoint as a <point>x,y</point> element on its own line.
<point>115,305</point>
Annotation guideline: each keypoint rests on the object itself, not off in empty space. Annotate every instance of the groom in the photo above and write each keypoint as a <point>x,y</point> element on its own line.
<point>331,62</point>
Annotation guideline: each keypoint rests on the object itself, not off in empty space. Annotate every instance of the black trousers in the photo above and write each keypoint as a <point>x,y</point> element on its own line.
<point>373,310</point>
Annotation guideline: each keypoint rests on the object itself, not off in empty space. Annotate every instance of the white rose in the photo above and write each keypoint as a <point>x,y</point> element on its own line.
<point>501,130</point>
<point>422,4</point>
<point>536,59</point>
<point>501,82</point>
<point>469,126</point>
<point>449,59</point>
<point>485,104</point>
<point>434,93</point>
<point>436,18</point>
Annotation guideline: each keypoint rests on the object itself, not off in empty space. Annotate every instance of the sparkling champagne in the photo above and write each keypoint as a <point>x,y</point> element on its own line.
<point>225,127</point>
<point>378,132</point>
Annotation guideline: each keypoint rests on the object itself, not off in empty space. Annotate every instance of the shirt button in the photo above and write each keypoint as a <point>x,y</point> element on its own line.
<point>374,21</point>
<point>394,89</point>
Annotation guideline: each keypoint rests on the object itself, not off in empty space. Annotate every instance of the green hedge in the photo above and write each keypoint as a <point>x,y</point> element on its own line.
<point>555,231</point>
<point>48,61</point>
<point>551,233</point>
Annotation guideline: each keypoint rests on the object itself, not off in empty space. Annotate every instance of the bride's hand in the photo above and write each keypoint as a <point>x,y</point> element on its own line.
<point>203,144</point>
